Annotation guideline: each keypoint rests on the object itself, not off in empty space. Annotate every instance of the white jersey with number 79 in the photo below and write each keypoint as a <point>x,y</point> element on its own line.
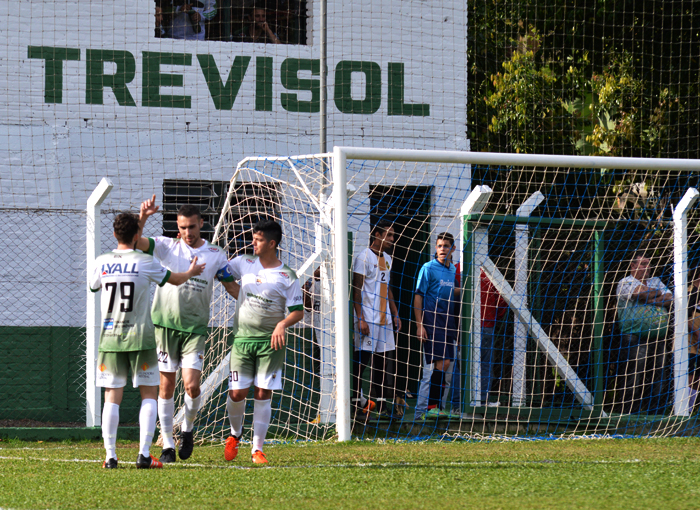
<point>125,278</point>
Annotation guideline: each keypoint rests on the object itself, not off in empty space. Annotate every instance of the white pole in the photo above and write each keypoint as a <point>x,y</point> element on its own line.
<point>326,403</point>
<point>521,269</point>
<point>323,57</point>
<point>93,398</point>
<point>680,280</point>
<point>480,253</point>
<point>545,160</point>
<point>342,323</point>
<point>473,204</point>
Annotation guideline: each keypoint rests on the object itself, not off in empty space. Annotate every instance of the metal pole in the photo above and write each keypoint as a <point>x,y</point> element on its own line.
<point>598,318</point>
<point>93,397</point>
<point>488,158</point>
<point>680,276</point>
<point>324,74</point>
<point>478,250</point>
<point>342,289</point>
<point>522,267</point>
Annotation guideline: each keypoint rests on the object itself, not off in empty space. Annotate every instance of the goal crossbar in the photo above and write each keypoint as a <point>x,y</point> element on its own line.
<point>332,244</point>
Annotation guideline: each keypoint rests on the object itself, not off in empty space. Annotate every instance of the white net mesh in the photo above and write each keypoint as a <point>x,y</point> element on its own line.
<point>551,338</point>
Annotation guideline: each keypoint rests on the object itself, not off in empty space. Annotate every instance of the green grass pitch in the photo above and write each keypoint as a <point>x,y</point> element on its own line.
<point>614,473</point>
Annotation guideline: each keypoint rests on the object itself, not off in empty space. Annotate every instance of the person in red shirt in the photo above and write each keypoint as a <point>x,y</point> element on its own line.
<point>493,307</point>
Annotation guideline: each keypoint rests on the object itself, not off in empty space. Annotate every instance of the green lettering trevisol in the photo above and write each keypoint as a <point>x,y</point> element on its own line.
<point>96,79</point>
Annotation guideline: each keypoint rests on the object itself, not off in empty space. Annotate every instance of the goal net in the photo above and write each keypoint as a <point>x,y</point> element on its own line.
<point>570,315</point>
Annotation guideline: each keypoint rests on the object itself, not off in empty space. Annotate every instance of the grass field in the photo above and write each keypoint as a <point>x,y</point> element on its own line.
<point>619,473</point>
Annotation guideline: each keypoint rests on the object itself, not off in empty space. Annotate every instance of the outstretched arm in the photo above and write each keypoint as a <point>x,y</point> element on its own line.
<point>226,278</point>
<point>232,288</point>
<point>180,278</point>
<point>148,209</point>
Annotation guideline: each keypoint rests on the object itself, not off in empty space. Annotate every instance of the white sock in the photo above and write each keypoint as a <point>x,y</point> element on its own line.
<point>166,410</point>
<point>110,422</point>
<point>236,413</point>
<point>363,400</point>
<point>191,410</point>
<point>262,412</point>
<point>147,424</point>
<point>692,397</point>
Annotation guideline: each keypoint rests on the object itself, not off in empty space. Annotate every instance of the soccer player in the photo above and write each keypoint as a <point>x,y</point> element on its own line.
<point>436,325</point>
<point>376,319</point>
<point>128,339</point>
<point>270,302</point>
<point>181,316</point>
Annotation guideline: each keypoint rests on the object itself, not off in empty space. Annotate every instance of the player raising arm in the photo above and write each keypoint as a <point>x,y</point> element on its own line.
<point>181,317</point>
<point>269,289</point>
<point>128,339</point>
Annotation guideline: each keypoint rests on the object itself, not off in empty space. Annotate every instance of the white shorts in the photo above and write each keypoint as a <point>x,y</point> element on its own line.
<point>179,349</point>
<point>255,364</point>
<point>380,338</point>
<point>113,369</point>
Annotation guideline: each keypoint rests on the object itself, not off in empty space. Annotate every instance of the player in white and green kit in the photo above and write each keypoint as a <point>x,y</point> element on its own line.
<point>270,301</point>
<point>127,340</point>
<point>181,317</point>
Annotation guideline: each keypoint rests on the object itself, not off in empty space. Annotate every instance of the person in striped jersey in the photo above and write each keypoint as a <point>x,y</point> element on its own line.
<point>376,319</point>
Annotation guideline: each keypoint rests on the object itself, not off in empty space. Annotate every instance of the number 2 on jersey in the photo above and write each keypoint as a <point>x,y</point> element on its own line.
<point>126,292</point>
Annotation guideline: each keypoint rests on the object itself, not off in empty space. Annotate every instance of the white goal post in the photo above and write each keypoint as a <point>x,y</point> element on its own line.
<point>337,178</point>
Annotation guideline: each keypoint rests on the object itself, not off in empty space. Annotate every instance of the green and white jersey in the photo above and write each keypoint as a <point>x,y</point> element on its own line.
<point>125,277</point>
<point>264,299</point>
<point>186,307</point>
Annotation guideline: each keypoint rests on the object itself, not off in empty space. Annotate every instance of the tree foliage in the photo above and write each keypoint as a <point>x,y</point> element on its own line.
<point>602,77</point>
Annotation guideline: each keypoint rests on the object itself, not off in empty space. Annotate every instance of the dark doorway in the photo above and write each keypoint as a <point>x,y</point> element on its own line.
<point>408,208</point>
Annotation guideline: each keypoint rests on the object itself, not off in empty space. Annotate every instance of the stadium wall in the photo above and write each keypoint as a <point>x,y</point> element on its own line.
<point>89,92</point>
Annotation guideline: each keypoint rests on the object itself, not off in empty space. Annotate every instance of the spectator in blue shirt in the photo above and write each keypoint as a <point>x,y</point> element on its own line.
<point>436,326</point>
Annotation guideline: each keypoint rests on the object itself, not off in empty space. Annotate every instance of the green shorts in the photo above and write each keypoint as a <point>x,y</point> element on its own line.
<point>179,349</point>
<point>113,368</point>
<point>256,364</point>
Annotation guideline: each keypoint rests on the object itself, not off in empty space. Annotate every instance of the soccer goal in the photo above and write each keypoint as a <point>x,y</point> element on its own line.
<point>549,341</point>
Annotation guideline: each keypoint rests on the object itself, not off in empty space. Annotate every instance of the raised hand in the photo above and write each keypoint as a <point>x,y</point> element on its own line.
<point>195,270</point>
<point>149,207</point>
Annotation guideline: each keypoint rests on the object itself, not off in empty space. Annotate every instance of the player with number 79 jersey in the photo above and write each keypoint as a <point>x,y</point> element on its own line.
<point>125,277</point>
<point>127,339</point>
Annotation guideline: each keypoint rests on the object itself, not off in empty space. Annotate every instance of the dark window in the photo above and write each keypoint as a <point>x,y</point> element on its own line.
<point>256,21</point>
<point>250,202</point>
<point>208,196</point>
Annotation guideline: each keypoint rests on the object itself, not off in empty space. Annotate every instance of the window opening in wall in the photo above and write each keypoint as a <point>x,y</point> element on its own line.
<point>247,21</point>
<point>250,202</point>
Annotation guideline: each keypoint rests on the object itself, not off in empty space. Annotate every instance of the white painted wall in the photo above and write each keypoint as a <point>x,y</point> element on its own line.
<point>53,155</point>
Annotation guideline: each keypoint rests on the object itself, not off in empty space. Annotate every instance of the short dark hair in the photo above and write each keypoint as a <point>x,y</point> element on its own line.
<point>126,226</point>
<point>446,236</point>
<point>380,227</point>
<point>189,210</point>
<point>640,254</point>
<point>270,229</point>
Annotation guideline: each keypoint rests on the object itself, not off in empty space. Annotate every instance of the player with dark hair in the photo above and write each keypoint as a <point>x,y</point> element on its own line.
<point>376,319</point>
<point>181,317</point>
<point>128,338</point>
<point>270,229</point>
<point>436,325</point>
<point>270,302</point>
